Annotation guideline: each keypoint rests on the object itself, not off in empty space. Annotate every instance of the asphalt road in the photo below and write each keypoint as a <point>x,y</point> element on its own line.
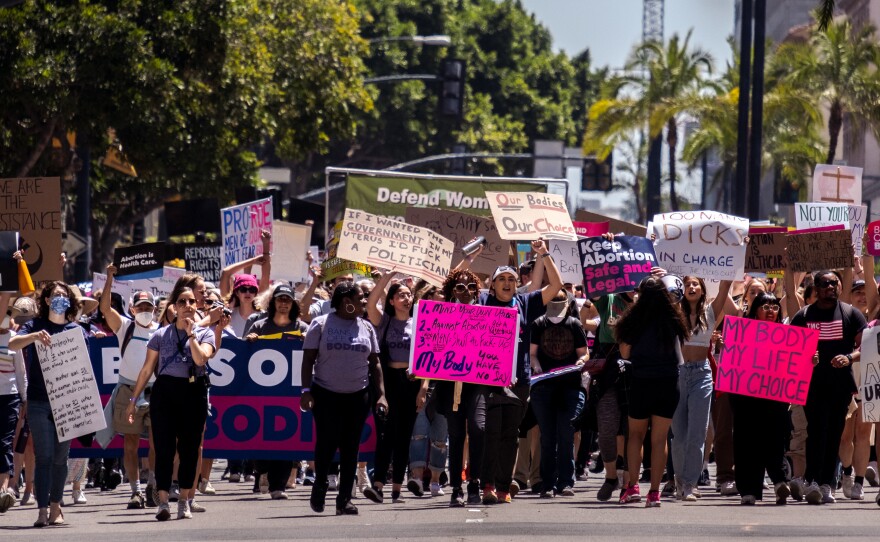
<point>235,513</point>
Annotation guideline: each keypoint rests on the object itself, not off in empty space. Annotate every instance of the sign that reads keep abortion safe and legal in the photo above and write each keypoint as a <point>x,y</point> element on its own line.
<point>464,343</point>
<point>388,243</point>
<point>139,261</point>
<point>766,360</point>
<point>242,226</point>
<point>526,216</point>
<point>707,244</point>
<point>615,266</point>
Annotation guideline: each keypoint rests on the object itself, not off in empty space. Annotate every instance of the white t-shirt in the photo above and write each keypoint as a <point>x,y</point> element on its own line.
<point>136,352</point>
<point>12,372</point>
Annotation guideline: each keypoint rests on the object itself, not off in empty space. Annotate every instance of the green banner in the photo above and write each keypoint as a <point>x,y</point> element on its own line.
<point>390,196</point>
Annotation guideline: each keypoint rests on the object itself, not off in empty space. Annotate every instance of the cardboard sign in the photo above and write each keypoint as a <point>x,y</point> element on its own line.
<point>612,267</point>
<point>8,265</point>
<point>614,225</point>
<point>591,229</point>
<point>388,243</point>
<point>70,384</point>
<point>873,247</point>
<point>335,267</point>
<point>765,252</point>
<point>766,360</point>
<point>460,228</point>
<point>568,260</point>
<point>840,184</point>
<point>32,207</point>
<point>818,215</point>
<point>289,257</point>
<point>242,225</point>
<point>869,388</point>
<point>464,343</point>
<point>811,251</point>
<point>527,216</point>
<point>707,244</point>
<point>139,261</point>
<point>204,259</point>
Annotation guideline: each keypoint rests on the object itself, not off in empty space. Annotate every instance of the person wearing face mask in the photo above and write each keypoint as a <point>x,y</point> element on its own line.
<point>58,310</point>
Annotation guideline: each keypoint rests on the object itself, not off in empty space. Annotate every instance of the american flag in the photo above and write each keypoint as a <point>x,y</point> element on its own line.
<point>828,331</point>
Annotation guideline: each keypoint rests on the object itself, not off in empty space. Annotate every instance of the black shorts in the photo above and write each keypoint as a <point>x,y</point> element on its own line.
<point>652,397</point>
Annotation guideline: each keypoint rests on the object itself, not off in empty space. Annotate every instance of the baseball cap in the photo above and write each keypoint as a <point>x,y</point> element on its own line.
<point>142,297</point>
<point>284,290</point>
<point>23,310</point>
<point>857,284</point>
<point>504,269</point>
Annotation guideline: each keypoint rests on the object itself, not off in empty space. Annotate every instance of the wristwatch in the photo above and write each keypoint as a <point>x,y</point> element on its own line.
<point>849,358</point>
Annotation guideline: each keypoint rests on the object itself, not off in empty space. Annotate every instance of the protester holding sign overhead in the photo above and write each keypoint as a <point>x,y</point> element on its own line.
<point>241,297</point>
<point>58,309</point>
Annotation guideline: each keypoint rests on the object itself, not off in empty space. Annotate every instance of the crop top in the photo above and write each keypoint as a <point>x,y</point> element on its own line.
<point>702,338</point>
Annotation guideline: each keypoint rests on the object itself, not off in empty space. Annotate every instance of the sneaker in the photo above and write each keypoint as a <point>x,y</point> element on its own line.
<point>79,497</point>
<point>813,494</point>
<point>581,475</point>
<point>396,498</point>
<point>514,488</point>
<point>847,482</point>
<point>547,494</point>
<point>318,497</point>
<point>728,488</point>
<point>264,483</point>
<point>112,480</point>
<point>798,488</point>
<point>567,492</point>
<point>489,495</point>
<point>309,477</point>
<point>436,490</point>
<point>205,487</point>
<point>858,492</point>
<point>630,494</point>
<point>152,496</point>
<point>278,496</point>
<point>27,498</point>
<point>653,500</point>
<point>704,479</point>
<point>687,493</point>
<point>871,474</point>
<point>748,500</point>
<point>374,495</point>
<point>195,507</point>
<point>473,492</point>
<point>347,509</point>
<point>827,496</point>
<point>164,512</point>
<point>696,492</point>
<point>782,491</point>
<point>174,493</point>
<point>183,511</point>
<point>667,491</point>
<point>504,497</point>
<point>456,500</point>
<point>607,489</point>
<point>7,501</point>
<point>136,502</point>
<point>234,478</point>
<point>415,488</point>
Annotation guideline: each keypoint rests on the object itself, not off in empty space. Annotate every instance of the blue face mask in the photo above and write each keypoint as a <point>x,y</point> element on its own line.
<point>59,304</point>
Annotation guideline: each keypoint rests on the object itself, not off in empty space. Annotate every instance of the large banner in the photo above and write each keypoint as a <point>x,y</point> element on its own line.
<point>615,266</point>
<point>766,360</point>
<point>390,196</point>
<point>464,343</point>
<point>460,228</point>
<point>707,244</point>
<point>869,383</point>
<point>828,249</point>
<point>530,215</point>
<point>242,225</point>
<point>255,395</point>
<point>32,207</point>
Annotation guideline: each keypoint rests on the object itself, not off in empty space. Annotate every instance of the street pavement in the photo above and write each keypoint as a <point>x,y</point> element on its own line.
<point>235,513</point>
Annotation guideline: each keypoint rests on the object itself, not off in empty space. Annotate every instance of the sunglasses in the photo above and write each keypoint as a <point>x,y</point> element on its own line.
<point>827,283</point>
<point>248,290</point>
<point>768,307</point>
<point>184,302</point>
<point>461,288</point>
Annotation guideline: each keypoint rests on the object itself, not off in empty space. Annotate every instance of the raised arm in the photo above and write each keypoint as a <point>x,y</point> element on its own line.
<point>266,264</point>
<point>723,304</point>
<point>230,270</point>
<point>871,294</point>
<point>114,319</point>
<point>466,262</point>
<point>307,297</point>
<point>377,295</point>
<point>553,277</point>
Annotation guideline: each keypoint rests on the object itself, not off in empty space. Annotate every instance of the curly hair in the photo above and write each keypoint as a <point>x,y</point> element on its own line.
<point>46,293</point>
<point>701,306</point>
<point>654,306</point>
<point>451,280</point>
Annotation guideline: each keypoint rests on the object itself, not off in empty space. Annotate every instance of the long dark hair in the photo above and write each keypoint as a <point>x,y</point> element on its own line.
<point>653,307</point>
<point>760,300</point>
<point>272,310</point>
<point>46,293</point>
<point>701,323</point>
<point>392,291</point>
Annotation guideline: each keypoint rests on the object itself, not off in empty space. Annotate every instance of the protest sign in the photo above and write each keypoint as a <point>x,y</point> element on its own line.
<point>869,383</point>
<point>384,242</point>
<point>70,384</point>
<point>32,207</point>
<point>766,360</point>
<point>464,343</point>
<point>553,373</point>
<point>8,265</point>
<point>527,216</point>
<point>614,225</point>
<point>255,402</point>
<point>873,247</point>
<point>616,266</point>
<point>765,252</point>
<point>591,229</point>
<point>707,244</point>
<point>460,228</point>
<point>161,286</point>
<point>568,260</point>
<point>335,267</point>
<point>143,261</point>
<point>242,225</point>
<point>204,259</point>
<point>826,249</point>
<point>289,257</point>
<point>818,215</point>
<point>841,184</point>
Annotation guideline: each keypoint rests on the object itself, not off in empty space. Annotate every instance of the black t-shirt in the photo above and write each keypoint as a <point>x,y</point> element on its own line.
<point>838,328</point>
<point>269,327</point>
<point>557,347</point>
<point>652,356</point>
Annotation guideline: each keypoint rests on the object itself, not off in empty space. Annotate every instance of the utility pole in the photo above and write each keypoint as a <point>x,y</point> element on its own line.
<point>740,183</point>
<point>652,30</point>
<point>757,127</point>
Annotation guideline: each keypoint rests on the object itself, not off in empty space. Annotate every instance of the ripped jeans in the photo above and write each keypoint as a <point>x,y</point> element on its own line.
<point>434,429</point>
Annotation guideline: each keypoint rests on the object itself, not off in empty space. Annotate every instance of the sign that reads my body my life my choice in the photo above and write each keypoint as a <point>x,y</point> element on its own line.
<point>526,216</point>
<point>615,266</point>
<point>766,360</point>
<point>707,244</point>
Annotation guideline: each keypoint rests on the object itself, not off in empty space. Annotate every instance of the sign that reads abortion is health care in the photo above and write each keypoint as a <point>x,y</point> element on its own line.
<point>242,225</point>
<point>615,266</point>
<point>707,244</point>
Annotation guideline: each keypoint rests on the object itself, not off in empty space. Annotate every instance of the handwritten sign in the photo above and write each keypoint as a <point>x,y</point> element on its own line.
<point>289,258</point>
<point>568,260</point>
<point>873,247</point>
<point>818,215</point>
<point>591,229</point>
<point>615,266</point>
<point>336,267</point>
<point>526,216</point>
<point>70,383</point>
<point>143,261</point>
<point>464,343</point>
<point>841,184</point>
<point>869,383</point>
<point>385,242</point>
<point>765,252</point>
<point>204,259</point>
<point>707,244</point>
<point>241,229</point>
<point>811,251</point>
<point>460,228</point>
<point>766,360</point>
<point>32,207</point>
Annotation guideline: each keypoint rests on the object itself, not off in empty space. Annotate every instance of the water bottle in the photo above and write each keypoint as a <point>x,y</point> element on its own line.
<point>474,245</point>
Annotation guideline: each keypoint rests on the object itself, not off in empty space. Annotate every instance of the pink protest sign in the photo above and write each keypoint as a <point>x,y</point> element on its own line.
<point>874,238</point>
<point>766,360</point>
<point>590,229</point>
<point>464,343</point>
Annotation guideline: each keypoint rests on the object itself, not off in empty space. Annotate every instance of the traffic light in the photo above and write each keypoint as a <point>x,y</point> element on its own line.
<point>452,74</point>
<point>597,175</point>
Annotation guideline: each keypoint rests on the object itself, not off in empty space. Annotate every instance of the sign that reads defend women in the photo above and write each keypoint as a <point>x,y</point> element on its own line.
<point>615,266</point>
<point>707,244</point>
<point>383,242</point>
<point>71,385</point>
<point>242,225</point>
<point>464,343</point>
<point>526,216</point>
<point>869,364</point>
<point>766,360</point>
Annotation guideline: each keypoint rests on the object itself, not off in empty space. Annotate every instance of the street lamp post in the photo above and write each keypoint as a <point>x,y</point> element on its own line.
<point>438,40</point>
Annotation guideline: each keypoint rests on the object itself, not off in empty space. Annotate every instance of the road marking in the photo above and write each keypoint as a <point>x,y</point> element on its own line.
<point>474,520</point>
<point>475,510</point>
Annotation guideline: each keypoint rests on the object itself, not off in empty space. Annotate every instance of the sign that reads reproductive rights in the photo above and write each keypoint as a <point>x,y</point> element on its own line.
<point>766,360</point>
<point>526,216</point>
<point>242,225</point>
<point>707,244</point>
<point>464,343</point>
<point>615,266</point>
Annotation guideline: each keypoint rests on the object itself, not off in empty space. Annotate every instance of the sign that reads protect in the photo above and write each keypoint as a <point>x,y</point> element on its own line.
<point>706,244</point>
<point>242,226</point>
<point>526,216</point>
<point>616,266</point>
<point>139,261</point>
<point>464,343</point>
<point>388,243</point>
<point>766,360</point>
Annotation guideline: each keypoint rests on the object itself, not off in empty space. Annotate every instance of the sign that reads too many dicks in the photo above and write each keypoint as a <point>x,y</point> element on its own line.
<point>526,216</point>
<point>242,226</point>
<point>615,266</point>
<point>766,360</point>
<point>464,343</point>
<point>707,244</point>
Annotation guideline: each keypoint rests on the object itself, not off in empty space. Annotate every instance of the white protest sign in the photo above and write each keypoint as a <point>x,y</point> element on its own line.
<point>526,216</point>
<point>840,184</point>
<point>707,244</point>
<point>241,230</point>
<point>71,385</point>
<point>289,258</point>
<point>161,286</point>
<point>384,242</point>
<point>820,215</point>
<point>568,259</point>
<point>869,383</point>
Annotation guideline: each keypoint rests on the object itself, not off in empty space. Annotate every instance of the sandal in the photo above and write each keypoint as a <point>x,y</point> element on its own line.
<point>56,516</point>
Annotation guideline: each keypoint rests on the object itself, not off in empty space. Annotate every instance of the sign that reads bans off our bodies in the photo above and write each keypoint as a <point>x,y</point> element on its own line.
<point>616,266</point>
<point>526,216</point>
<point>707,244</point>
<point>766,360</point>
<point>242,225</point>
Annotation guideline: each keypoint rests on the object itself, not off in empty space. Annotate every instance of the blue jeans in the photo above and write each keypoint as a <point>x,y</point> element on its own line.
<point>50,471</point>
<point>691,420</point>
<point>436,431</point>
<point>554,407</point>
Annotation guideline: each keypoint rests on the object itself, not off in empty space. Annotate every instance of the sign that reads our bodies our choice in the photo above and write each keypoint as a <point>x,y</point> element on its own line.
<point>615,266</point>
<point>766,360</point>
<point>525,216</point>
<point>707,244</point>
<point>464,343</point>
<point>242,226</point>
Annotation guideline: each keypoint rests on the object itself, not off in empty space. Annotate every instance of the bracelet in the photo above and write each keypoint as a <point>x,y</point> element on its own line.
<point>305,390</point>
<point>546,254</point>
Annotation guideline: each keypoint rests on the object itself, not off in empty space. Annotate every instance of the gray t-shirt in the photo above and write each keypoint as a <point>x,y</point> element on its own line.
<point>344,347</point>
<point>319,308</point>
<point>397,338</point>
<point>175,355</point>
